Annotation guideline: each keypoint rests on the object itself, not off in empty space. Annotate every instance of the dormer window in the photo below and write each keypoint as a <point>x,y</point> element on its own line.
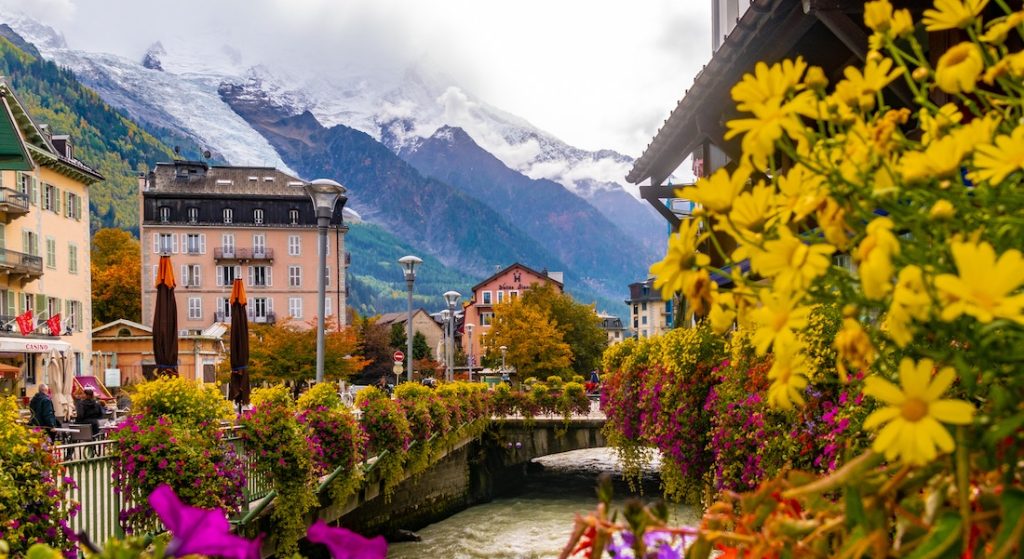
<point>229,215</point>
<point>293,216</point>
<point>257,216</point>
<point>165,214</point>
<point>193,215</point>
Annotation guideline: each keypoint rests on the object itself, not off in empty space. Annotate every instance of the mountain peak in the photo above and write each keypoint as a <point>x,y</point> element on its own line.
<point>151,59</point>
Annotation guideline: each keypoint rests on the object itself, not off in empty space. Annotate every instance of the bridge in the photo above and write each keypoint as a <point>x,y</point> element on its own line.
<point>469,471</point>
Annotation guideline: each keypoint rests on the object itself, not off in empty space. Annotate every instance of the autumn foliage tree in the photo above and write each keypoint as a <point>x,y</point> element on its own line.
<point>286,351</point>
<point>115,262</point>
<point>579,324</point>
<point>535,345</point>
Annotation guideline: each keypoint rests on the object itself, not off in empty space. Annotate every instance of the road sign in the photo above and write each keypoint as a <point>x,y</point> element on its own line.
<point>397,369</point>
<point>399,357</point>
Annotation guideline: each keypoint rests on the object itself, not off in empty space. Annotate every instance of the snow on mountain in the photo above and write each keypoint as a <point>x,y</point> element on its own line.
<point>169,99</point>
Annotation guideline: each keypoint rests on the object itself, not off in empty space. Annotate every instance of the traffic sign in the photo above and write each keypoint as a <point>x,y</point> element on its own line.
<point>399,357</point>
<point>397,369</point>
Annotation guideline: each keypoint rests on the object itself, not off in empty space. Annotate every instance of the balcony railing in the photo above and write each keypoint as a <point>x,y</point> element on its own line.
<point>235,253</point>
<point>19,263</point>
<point>13,202</point>
<point>269,318</point>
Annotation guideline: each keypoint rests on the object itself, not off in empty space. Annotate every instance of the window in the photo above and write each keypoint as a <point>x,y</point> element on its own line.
<point>293,216</point>
<point>260,309</point>
<point>229,215</point>
<point>51,198</point>
<point>643,320</point>
<point>512,295</point>
<point>294,276</point>
<point>226,275</point>
<point>195,243</point>
<point>486,318</point>
<point>259,276</point>
<point>294,245</point>
<point>259,246</point>
<point>327,276</point>
<point>257,216</point>
<point>485,297</point>
<point>327,307</point>
<point>501,297</point>
<point>190,275</point>
<point>72,258</point>
<point>193,215</point>
<point>227,242</point>
<point>295,307</point>
<point>51,252</point>
<point>73,206</point>
<point>72,318</point>
<point>165,214</point>
<point>167,243</point>
<point>195,308</point>
<point>30,242</point>
<point>643,306</point>
<point>223,309</point>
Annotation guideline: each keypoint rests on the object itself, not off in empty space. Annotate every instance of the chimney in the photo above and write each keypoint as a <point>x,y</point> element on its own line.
<point>44,129</point>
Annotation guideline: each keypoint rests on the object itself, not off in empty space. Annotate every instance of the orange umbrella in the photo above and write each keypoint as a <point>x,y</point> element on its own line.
<point>165,321</point>
<point>238,388</point>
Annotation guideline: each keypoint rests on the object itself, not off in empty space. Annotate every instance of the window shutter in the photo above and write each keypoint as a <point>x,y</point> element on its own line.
<point>238,272</point>
<point>202,243</point>
<point>195,272</point>
<point>250,312</point>
<point>252,276</point>
<point>40,303</point>
<point>270,304</point>
<point>220,276</point>
<point>10,303</point>
<point>35,191</point>
<point>156,243</point>
<point>57,195</point>
<point>174,244</point>
<point>270,276</point>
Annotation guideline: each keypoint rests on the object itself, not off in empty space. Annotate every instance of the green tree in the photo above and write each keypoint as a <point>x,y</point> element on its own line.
<point>115,264</point>
<point>535,344</point>
<point>579,324</point>
<point>420,349</point>
<point>286,352</point>
<point>398,340</point>
<point>375,346</point>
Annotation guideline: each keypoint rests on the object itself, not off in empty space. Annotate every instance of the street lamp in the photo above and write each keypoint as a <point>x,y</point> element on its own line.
<point>451,297</point>
<point>325,195</point>
<point>503,349</point>
<point>445,318</point>
<point>469,358</point>
<point>409,267</point>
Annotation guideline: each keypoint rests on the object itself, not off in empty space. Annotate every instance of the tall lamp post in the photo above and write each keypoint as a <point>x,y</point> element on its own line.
<point>451,297</point>
<point>409,266</point>
<point>469,358</point>
<point>446,336</point>
<point>325,194</point>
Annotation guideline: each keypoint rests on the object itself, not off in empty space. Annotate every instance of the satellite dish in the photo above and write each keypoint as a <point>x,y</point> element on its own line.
<point>206,154</point>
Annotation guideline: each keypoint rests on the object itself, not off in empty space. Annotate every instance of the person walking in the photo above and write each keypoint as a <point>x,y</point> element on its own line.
<point>90,411</point>
<point>41,408</point>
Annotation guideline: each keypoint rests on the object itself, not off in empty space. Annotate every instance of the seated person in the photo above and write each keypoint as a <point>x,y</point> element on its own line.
<point>89,411</point>
<point>42,410</point>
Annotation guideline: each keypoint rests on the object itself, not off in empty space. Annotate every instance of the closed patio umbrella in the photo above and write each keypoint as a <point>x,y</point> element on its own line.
<point>238,388</point>
<point>60,406</point>
<point>165,321</point>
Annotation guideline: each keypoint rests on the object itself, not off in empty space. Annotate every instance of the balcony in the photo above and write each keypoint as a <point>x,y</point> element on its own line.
<point>12,202</point>
<point>234,253</point>
<point>269,318</point>
<point>19,264</point>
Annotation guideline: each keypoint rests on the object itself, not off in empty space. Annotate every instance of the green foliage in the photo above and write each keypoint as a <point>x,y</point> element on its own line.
<point>420,348</point>
<point>398,340</point>
<point>103,137</point>
<point>578,323</point>
<point>324,394</point>
<point>31,506</point>
<point>187,403</point>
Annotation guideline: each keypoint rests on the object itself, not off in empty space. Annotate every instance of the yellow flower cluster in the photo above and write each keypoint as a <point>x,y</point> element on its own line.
<point>906,217</point>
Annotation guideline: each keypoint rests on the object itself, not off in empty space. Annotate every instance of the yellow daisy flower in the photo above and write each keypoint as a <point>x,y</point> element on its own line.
<point>768,83</point>
<point>874,258</point>
<point>853,346</point>
<point>682,256</point>
<point>878,15</point>
<point>860,89</point>
<point>997,30</point>
<point>770,120</point>
<point>752,209</point>
<point>717,192</point>
<point>959,68</point>
<point>800,193</point>
<point>910,301</point>
<point>832,220</point>
<point>984,286</point>
<point>952,14</point>
<point>791,262</point>
<point>935,126</point>
<point>778,319</point>
<point>787,374</point>
<point>996,162</point>
<point>941,210</point>
<point>722,316</point>
<point>914,412</point>
<point>941,158</point>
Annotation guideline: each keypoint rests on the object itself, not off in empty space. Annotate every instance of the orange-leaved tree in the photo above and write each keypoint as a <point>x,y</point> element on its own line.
<point>115,264</point>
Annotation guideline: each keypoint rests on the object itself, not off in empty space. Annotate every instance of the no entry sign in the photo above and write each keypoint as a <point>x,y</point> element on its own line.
<point>399,357</point>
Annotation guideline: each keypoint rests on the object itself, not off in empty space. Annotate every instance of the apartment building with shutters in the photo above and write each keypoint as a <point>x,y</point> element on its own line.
<point>218,223</point>
<point>44,251</point>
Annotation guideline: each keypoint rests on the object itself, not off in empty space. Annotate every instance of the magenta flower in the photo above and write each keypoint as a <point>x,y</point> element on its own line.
<point>198,531</point>
<point>345,544</point>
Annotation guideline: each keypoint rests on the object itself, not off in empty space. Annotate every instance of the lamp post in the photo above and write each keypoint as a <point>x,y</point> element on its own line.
<point>409,267</point>
<point>325,194</point>
<point>469,358</point>
<point>503,349</point>
<point>451,297</point>
<point>446,335</point>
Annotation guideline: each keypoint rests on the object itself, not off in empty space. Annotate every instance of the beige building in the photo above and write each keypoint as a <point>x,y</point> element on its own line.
<point>649,314</point>
<point>221,223</point>
<point>127,347</point>
<point>44,250</point>
<point>422,323</point>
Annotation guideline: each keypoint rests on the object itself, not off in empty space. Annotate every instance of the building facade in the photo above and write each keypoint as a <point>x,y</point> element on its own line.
<point>44,251</point>
<point>127,347</point>
<point>422,322</point>
<point>649,314</point>
<point>218,223</point>
<point>505,285</point>
<point>612,325</point>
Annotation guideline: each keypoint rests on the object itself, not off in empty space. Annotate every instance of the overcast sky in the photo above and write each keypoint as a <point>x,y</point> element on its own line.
<point>596,73</point>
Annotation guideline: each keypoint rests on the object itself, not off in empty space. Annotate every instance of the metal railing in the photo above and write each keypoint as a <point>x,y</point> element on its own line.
<point>19,262</point>
<point>235,253</point>
<point>12,201</point>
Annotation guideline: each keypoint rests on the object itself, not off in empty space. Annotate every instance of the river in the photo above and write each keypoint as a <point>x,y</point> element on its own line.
<point>535,523</point>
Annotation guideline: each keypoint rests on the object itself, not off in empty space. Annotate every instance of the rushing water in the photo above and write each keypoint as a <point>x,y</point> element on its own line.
<point>533,524</point>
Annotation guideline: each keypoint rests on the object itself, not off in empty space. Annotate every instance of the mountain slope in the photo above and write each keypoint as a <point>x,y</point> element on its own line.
<point>102,136</point>
<point>573,230</point>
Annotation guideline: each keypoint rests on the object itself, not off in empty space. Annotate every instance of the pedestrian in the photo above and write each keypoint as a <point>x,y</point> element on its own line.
<point>89,411</point>
<point>41,407</point>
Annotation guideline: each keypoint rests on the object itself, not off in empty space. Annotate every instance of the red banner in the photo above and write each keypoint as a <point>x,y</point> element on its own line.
<point>25,323</point>
<point>54,323</point>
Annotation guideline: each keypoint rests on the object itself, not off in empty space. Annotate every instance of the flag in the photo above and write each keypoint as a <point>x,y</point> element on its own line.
<point>54,323</point>
<point>25,323</point>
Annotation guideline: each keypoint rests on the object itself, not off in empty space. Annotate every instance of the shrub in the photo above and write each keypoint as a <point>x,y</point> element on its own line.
<point>185,402</point>
<point>324,394</point>
<point>277,394</point>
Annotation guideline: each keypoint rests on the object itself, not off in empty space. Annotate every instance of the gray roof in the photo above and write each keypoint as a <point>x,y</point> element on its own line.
<point>180,177</point>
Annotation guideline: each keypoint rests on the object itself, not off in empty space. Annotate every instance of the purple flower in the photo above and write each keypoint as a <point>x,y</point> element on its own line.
<point>345,544</point>
<point>662,545</point>
<point>197,531</point>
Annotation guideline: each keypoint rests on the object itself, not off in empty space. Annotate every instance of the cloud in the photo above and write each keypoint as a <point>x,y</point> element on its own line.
<point>49,11</point>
